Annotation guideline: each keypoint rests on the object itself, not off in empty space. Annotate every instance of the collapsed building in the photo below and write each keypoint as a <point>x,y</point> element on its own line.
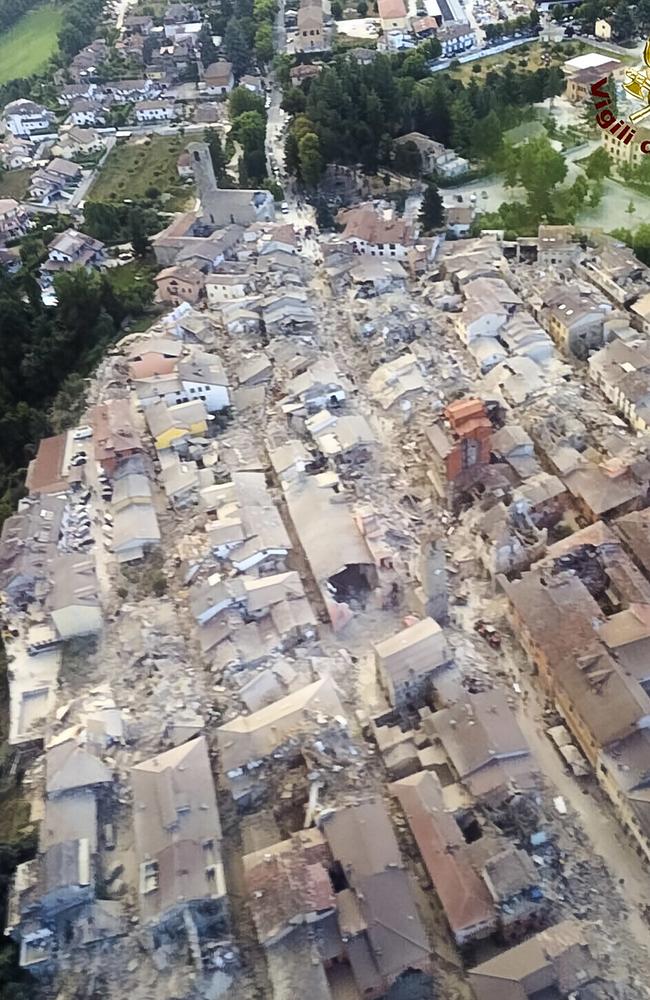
<point>336,551</point>
<point>178,844</point>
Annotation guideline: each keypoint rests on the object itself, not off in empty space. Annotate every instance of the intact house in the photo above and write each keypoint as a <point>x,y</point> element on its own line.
<point>622,370</point>
<point>434,157</point>
<point>72,249</point>
<point>198,376</point>
<point>226,287</point>
<point>368,232</point>
<point>87,113</point>
<point>14,221</point>
<point>575,321</point>
<point>221,207</point>
<point>392,14</point>
<point>25,118</point>
<point>178,284</point>
<point>459,216</point>
<point>16,152</point>
<point>73,601</point>
<point>156,111</point>
<point>455,38</point>
<point>115,437</point>
<point>557,245</point>
<point>218,78</point>
<point>76,141</point>
<point>54,182</point>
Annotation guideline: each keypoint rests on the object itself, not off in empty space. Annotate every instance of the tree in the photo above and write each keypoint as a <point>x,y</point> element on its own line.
<point>311,161</point>
<point>217,155</point>
<point>599,164</point>
<point>249,129</point>
<point>578,193</point>
<point>432,211</point>
<point>487,136</point>
<point>541,168</point>
<point>139,240</point>
<point>209,53</point>
<point>623,22</point>
<point>337,10</point>
<point>79,295</point>
<point>291,154</point>
<point>558,12</point>
<point>242,99</point>
<point>407,159</point>
<point>324,217</point>
<point>294,101</point>
<point>641,242</point>
<point>362,8</point>
<point>631,208</point>
<point>611,90</point>
<point>235,46</point>
<point>264,43</point>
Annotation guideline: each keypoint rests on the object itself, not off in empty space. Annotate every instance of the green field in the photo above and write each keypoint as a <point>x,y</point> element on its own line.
<point>133,168</point>
<point>14,183</point>
<point>25,48</point>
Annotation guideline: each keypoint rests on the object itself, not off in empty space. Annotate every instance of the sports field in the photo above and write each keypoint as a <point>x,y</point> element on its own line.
<point>26,47</point>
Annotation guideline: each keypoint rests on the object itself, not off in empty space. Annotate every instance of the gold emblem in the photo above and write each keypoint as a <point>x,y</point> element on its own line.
<point>638,86</point>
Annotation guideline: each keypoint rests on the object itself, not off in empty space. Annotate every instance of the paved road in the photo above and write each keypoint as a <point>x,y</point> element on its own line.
<point>120,9</point>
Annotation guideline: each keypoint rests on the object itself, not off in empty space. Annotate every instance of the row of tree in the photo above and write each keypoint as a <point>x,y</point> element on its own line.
<point>539,170</point>
<point>352,113</point>
<point>12,10</point>
<point>43,346</point>
<point>525,23</point>
<point>627,20</point>
<point>248,128</point>
<point>246,27</point>
<point>78,30</point>
<point>79,27</point>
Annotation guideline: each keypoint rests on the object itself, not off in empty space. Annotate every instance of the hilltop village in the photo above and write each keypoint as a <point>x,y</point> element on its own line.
<point>328,618</point>
<point>326,612</point>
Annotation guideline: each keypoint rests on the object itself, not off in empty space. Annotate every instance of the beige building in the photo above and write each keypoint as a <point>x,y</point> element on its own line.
<point>73,601</point>
<point>392,14</point>
<point>310,30</point>
<point>554,963</point>
<point>603,29</point>
<point>407,661</point>
<point>178,284</point>
<point>177,833</point>
<point>622,153</point>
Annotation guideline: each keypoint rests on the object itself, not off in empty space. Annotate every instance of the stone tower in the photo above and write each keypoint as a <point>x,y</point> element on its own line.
<point>226,206</point>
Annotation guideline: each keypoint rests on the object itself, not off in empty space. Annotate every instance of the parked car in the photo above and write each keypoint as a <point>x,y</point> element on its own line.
<point>82,433</point>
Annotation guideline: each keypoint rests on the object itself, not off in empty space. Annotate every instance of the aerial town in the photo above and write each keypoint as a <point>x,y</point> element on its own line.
<point>325,501</point>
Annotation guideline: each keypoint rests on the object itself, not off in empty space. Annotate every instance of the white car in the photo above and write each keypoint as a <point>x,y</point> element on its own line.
<point>284,208</point>
<point>82,433</point>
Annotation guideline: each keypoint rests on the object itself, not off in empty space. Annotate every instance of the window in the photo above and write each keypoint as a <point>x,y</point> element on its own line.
<point>148,877</point>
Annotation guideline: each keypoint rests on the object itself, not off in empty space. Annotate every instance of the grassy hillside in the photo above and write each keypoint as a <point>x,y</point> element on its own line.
<point>25,48</point>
